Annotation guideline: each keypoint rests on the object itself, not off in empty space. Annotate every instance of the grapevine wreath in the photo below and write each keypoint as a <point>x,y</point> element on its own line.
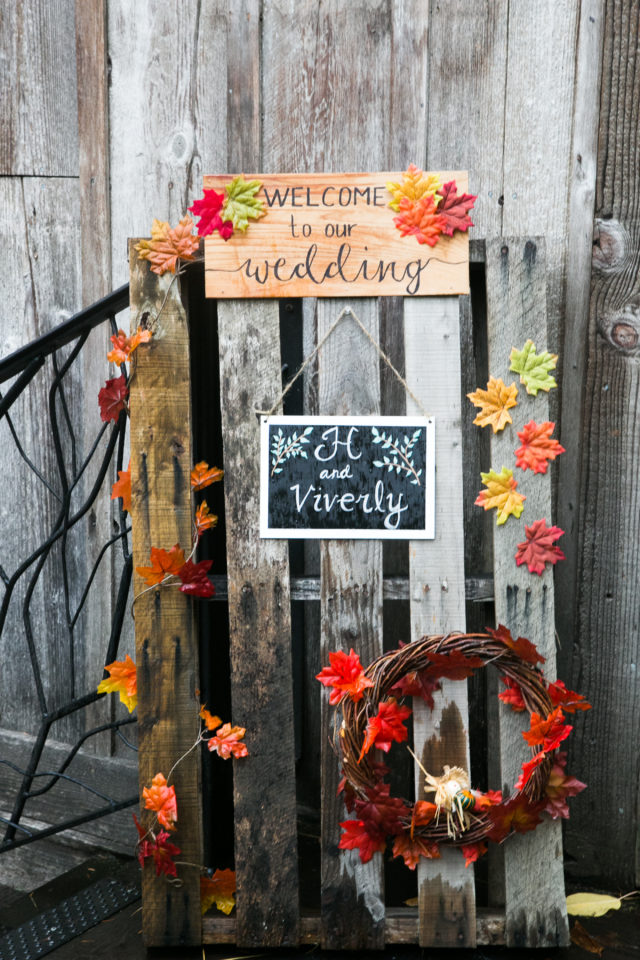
<point>373,714</point>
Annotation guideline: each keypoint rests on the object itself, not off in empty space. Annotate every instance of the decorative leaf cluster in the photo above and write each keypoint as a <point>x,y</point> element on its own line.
<point>400,457</point>
<point>283,448</point>
<point>426,208</point>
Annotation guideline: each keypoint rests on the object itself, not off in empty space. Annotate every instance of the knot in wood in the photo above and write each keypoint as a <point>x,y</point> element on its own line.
<point>621,328</point>
<point>611,246</point>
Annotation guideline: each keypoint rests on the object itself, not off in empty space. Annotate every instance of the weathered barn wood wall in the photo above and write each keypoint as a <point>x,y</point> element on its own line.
<point>508,89</point>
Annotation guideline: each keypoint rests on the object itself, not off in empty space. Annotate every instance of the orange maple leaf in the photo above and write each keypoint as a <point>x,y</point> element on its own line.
<point>385,727</point>
<point>122,680</point>
<point>501,494</point>
<point>210,722</point>
<point>494,402</point>
<point>168,245</point>
<point>422,814</point>
<point>537,446</point>
<point>412,848</point>
<point>218,889</point>
<point>204,518</point>
<point>420,219</point>
<point>471,851</point>
<point>123,346</point>
<point>345,675</point>
<point>162,799</point>
<point>163,563</point>
<point>549,731</point>
<point>122,488</point>
<point>203,475</point>
<point>226,742</point>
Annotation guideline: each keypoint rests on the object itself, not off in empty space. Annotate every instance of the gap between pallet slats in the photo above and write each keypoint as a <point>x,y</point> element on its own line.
<point>350,616</point>
<point>516,311</point>
<point>437,599</point>
<point>260,632</point>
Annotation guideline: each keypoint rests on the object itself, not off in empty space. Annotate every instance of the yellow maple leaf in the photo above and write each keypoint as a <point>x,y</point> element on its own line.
<point>218,889</point>
<point>494,402</point>
<point>415,184</point>
<point>501,494</point>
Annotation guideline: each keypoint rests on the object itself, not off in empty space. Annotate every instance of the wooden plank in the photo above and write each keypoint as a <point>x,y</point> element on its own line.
<point>352,897</point>
<point>401,926</point>
<point>437,598</point>
<point>260,629</point>
<point>516,297</point>
<point>168,95</point>
<point>606,656</point>
<point>165,623</point>
<point>39,133</point>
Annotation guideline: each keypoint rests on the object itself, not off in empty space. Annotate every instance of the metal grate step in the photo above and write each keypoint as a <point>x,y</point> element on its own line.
<point>68,919</point>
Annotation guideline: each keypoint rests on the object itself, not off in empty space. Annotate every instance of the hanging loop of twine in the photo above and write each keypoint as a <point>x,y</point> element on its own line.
<point>345,312</point>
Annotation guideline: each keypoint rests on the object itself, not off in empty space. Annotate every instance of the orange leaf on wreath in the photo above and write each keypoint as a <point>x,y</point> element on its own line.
<point>412,848</point>
<point>569,700</point>
<point>527,769</point>
<point>537,446</point>
<point>452,665</point>
<point>226,742</point>
<point>203,475</point>
<point>485,800</point>
<point>512,695</point>
<point>122,679</point>
<point>218,889</point>
<point>122,488</point>
<point>517,814</point>
<point>522,647</point>
<point>549,732</point>
<point>345,675</point>
<point>471,851</point>
<point>385,727</point>
<point>357,837</point>
<point>163,563</point>
<point>422,814</point>
<point>559,787</point>
<point>167,245</point>
<point>162,799</point>
<point>380,811</point>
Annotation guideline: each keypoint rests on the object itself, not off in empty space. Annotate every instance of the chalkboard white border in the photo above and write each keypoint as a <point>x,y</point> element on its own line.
<point>279,533</point>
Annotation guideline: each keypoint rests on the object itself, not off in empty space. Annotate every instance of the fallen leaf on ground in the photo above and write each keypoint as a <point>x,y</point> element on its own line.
<point>501,494</point>
<point>581,938</point>
<point>494,404</point>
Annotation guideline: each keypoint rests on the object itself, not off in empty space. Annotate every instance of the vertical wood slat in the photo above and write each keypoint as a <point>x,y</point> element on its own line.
<point>165,623</point>
<point>524,602</point>
<point>446,893</point>
<point>260,632</point>
<point>352,901</point>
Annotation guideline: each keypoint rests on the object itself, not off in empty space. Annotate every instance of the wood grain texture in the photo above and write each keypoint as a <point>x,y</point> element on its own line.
<point>168,101</point>
<point>260,631</point>
<point>39,133</point>
<point>437,602</point>
<point>606,648</point>
<point>524,602</point>
<point>352,894</point>
<point>580,237</point>
<point>165,621</point>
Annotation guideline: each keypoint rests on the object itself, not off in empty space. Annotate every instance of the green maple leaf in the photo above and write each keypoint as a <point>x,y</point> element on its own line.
<point>242,204</point>
<point>533,368</point>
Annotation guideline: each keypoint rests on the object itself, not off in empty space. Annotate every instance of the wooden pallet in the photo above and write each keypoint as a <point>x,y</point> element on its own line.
<point>351,590</point>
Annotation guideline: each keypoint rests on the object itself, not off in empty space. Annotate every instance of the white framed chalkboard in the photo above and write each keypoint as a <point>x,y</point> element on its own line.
<point>346,478</point>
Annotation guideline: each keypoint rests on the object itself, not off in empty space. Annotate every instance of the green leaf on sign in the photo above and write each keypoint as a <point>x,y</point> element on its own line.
<point>533,368</point>
<point>241,204</point>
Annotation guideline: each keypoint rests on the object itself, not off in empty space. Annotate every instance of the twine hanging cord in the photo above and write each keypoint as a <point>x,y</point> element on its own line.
<point>346,312</point>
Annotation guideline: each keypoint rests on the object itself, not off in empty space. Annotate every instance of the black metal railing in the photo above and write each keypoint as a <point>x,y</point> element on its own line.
<point>67,473</point>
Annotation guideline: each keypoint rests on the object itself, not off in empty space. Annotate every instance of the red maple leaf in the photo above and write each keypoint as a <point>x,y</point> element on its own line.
<point>385,727</point>
<point>162,799</point>
<point>512,695</point>
<point>538,549</point>
<point>517,815</point>
<point>559,787</point>
<point>527,769</point>
<point>112,397</point>
<point>417,684</point>
<point>522,647</point>
<point>420,219</point>
<point>537,446</point>
<point>345,675</point>
<point>453,665</point>
<point>471,851</point>
<point>194,578</point>
<point>356,836</point>
<point>208,209</point>
<point>162,852</point>
<point>380,811</point>
<point>412,848</point>
<point>549,731</point>
<point>454,208</point>
<point>163,563</point>
<point>569,700</point>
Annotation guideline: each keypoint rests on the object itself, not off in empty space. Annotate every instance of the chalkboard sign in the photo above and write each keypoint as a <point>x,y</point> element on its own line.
<point>347,478</point>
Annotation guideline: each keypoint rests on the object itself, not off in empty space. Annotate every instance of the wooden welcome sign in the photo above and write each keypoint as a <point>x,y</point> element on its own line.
<point>341,235</point>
